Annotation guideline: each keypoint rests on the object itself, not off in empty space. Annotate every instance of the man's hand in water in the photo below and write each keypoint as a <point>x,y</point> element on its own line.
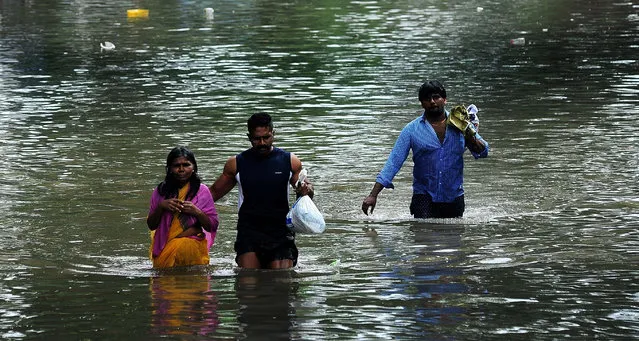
<point>369,203</point>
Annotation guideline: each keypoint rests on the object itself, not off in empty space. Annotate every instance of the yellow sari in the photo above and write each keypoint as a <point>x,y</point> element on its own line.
<point>183,251</point>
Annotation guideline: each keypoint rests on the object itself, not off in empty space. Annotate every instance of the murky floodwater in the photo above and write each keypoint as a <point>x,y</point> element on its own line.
<point>549,243</point>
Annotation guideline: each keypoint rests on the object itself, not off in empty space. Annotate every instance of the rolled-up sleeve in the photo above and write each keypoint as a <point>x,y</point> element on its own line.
<point>483,153</point>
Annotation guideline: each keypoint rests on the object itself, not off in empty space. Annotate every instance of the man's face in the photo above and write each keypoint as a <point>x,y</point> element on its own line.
<point>433,104</point>
<point>262,139</point>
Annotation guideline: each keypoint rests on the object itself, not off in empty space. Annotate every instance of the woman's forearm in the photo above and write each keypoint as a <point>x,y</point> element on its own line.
<point>204,220</point>
<point>153,220</point>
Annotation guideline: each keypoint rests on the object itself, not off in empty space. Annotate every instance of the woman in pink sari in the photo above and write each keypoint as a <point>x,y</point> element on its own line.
<point>182,216</point>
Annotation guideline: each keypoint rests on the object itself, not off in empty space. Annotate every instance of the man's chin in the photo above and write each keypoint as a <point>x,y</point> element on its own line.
<point>435,112</point>
<point>263,151</point>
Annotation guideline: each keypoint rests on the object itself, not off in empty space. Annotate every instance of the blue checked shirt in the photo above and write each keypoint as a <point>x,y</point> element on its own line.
<point>439,167</point>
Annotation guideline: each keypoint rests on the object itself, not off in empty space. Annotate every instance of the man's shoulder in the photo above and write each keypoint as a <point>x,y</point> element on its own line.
<point>280,152</point>
<point>414,123</point>
<point>246,154</point>
<point>418,119</point>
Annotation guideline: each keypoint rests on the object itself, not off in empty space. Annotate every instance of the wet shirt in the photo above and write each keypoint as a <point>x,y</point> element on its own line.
<point>438,167</point>
<point>264,185</point>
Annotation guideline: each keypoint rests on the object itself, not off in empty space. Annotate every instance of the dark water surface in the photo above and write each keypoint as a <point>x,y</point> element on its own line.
<point>549,245</point>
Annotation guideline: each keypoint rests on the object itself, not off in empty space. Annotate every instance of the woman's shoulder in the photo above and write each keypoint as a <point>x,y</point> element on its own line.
<point>204,188</point>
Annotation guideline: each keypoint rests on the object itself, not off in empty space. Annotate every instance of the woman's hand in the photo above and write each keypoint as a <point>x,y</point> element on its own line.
<point>179,206</point>
<point>190,209</point>
<point>172,205</point>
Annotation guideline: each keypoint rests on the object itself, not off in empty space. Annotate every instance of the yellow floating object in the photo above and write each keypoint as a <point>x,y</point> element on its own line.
<point>137,13</point>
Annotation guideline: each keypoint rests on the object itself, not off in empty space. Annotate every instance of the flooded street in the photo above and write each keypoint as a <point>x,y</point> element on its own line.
<point>549,244</point>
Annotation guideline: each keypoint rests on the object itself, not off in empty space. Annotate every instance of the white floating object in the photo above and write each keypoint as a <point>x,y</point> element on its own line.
<point>518,41</point>
<point>210,13</point>
<point>633,17</point>
<point>497,260</point>
<point>479,9</point>
<point>107,46</point>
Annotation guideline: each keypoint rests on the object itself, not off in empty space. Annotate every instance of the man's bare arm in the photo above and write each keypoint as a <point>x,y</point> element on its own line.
<point>305,188</point>
<point>226,181</point>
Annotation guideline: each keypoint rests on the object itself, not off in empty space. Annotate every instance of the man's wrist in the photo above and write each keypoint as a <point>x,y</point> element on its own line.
<point>470,132</point>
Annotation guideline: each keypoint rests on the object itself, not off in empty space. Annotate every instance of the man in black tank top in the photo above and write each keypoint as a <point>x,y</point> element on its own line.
<point>263,173</point>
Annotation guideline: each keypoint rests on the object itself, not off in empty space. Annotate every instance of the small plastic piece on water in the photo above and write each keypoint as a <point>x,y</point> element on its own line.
<point>518,41</point>
<point>210,13</point>
<point>137,13</point>
<point>335,263</point>
<point>479,9</point>
<point>107,46</point>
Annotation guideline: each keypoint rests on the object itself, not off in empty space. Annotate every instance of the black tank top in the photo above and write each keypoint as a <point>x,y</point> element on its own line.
<point>264,180</point>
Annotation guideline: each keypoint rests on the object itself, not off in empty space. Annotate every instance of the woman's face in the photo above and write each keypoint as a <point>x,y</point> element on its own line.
<point>182,169</point>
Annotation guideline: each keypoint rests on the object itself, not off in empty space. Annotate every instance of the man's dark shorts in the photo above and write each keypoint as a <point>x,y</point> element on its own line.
<point>422,206</point>
<point>265,250</point>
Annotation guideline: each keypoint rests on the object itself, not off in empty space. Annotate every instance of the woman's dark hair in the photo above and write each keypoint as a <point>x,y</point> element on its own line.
<point>431,87</point>
<point>169,187</point>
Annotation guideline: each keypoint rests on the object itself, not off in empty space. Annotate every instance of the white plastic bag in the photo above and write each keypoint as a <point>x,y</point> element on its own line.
<point>304,217</point>
<point>301,177</point>
<point>472,115</point>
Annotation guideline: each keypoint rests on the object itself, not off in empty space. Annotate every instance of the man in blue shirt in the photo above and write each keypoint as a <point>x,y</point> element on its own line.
<point>438,149</point>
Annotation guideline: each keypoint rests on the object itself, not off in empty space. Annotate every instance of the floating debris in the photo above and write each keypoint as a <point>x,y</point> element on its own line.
<point>518,41</point>
<point>107,46</point>
<point>210,13</point>
<point>137,13</point>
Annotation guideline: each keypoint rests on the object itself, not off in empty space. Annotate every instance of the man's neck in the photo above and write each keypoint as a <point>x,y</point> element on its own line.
<point>261,153</point>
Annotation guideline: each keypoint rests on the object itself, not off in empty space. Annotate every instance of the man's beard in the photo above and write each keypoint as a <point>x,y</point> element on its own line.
<point>262,149</point>
<point>434,112</point>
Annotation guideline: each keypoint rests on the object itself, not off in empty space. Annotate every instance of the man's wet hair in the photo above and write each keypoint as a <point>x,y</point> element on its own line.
<point>431,87</point>
<point>260,119</point>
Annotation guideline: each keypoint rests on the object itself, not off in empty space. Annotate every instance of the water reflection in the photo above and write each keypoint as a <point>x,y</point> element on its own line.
<point>431,275</point>
<point>183,305</point>
<point>266,298</point>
